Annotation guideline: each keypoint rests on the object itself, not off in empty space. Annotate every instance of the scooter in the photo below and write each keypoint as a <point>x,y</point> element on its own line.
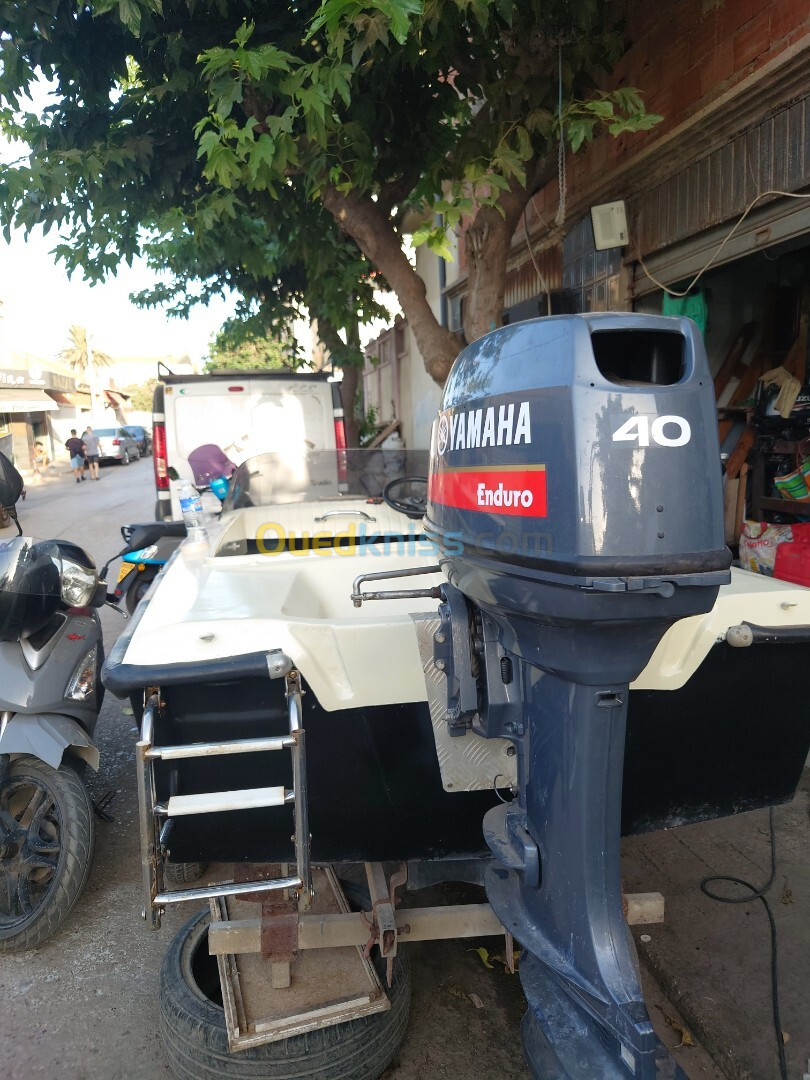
<point>51,652</point>
<point>149,546</point>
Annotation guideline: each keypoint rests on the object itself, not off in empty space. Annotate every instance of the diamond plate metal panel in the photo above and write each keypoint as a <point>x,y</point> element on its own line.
<point>467,762</point>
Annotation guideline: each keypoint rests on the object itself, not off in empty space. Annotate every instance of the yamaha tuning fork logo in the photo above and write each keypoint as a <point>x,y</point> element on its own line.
<point>444,433</point>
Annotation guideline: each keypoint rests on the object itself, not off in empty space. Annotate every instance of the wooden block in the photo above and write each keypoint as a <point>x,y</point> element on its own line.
<point>643,908</point>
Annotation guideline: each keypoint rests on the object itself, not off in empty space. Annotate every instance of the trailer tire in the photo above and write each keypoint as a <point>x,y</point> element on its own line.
<point>181,873</point>
<point>196,1040</point>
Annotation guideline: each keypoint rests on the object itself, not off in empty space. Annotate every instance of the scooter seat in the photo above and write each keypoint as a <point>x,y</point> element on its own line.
<point>149,532</point>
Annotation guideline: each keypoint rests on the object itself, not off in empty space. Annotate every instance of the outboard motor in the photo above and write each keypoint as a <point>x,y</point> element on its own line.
<point>575,498</point>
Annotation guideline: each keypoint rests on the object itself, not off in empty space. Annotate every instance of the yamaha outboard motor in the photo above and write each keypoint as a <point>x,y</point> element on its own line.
<point>575,497</point>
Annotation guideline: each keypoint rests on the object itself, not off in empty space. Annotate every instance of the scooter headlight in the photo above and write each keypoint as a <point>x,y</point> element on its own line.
<point>82,683</point>
<point>78,583</point>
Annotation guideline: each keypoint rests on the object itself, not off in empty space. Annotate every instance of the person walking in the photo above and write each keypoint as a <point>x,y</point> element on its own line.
<point>40,461</point>
<point>91,449</point>
<point>75,447</point>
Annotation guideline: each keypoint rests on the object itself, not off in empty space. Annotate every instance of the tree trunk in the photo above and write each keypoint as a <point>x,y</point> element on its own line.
<point>348,396</point>
<point>371,230</point>
<point>488,242</point>
<point>346,358</point>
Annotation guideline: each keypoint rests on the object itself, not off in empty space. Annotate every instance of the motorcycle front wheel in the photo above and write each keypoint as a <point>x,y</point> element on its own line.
<point>47,834</point>
<point>139,589</point>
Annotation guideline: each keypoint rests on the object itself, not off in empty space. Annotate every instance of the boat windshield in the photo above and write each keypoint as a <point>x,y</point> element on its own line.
<point>317,475</point>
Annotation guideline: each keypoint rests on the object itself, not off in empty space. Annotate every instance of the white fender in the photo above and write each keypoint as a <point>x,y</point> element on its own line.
<point>46,736</point>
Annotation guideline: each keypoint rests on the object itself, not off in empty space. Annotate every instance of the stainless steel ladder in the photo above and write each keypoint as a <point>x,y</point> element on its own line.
<point>153,815</point>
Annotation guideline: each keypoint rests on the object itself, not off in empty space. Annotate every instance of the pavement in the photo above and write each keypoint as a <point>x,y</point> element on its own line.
<point>84,1006</point>
<point>713,960</point>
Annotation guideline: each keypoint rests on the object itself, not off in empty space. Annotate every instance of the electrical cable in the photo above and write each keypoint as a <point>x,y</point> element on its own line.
<point>758,894</point>
<point>738,223</point>
<point>538,271</point>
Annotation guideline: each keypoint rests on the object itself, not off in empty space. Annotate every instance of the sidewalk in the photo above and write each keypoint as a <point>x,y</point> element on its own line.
<point>713,960</point>
<point>58,470</point>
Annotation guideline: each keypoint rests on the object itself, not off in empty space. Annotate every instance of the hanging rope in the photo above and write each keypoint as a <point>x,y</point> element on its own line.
<point>561,178</point>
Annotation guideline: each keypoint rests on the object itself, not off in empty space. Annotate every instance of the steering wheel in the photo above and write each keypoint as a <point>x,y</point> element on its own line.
<point>412,502</point>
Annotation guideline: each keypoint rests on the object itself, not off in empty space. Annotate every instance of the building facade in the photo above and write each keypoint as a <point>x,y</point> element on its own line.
<point>732,80</point>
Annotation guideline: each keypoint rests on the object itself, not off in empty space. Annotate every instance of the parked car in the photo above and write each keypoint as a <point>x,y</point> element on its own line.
<point>116,444</point>
<point>142,436</point>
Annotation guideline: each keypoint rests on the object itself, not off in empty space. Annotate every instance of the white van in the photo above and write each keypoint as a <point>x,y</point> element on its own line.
<point>244,413</point>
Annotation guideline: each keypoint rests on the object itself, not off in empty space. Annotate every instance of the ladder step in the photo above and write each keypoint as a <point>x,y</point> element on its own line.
<point>206,892</point>
<point>215,802</point>
<point>214,749</point>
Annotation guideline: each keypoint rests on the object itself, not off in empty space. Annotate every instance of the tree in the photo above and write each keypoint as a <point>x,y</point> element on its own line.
<point>141,394</point>
<point>86,361</point>
<point>250,355</point>
<point>285,258</point>
<point>364,109</point>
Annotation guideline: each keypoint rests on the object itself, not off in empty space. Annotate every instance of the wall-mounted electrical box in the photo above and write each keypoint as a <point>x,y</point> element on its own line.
<point>609,225</point>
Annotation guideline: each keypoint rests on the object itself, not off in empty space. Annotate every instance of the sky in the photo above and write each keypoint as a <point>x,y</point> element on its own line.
<point>40,303</point>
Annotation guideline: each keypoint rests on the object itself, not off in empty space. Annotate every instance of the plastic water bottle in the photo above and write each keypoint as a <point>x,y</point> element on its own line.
<point>192,510</point>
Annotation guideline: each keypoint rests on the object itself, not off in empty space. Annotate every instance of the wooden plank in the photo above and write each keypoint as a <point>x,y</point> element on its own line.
<point>748,380</point>
<point>800,370</point>
<point>329,931</point>
<point>740,453</point>
<point>723,428</point>
<point>794,359</point>
<point>730,491</point>
<point>731,367</point>
<point>739,515</point>
<point>389,429</point>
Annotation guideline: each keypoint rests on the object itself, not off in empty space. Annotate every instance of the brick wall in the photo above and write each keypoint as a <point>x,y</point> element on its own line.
<point>683,54</point>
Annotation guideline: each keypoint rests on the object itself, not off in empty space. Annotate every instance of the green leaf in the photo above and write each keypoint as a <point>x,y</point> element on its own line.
<point>579,130</point>
<point>129,12</point>
<point>244,33</point>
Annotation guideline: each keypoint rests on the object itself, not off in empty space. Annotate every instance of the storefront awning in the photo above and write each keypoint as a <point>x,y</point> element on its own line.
<point>25,401</point>
<point>116,399</point>
<point>77,399</point>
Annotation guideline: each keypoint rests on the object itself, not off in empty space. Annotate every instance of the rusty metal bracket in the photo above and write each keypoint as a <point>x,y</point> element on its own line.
<point>383,902</point>
<point>279,933</point>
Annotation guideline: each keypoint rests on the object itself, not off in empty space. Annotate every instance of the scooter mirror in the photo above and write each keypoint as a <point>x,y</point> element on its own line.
<point>11,483</point>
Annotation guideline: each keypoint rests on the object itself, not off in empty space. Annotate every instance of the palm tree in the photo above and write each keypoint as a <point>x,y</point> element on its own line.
<point>83,359</point>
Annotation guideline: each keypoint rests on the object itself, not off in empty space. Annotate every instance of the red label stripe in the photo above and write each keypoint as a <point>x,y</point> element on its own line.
<point>519,490</point>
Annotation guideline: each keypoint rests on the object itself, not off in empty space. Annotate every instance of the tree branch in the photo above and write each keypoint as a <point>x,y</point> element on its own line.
<point>361,218</point>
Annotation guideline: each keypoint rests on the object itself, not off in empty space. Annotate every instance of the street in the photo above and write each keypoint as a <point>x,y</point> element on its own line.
<point>84,1006</point>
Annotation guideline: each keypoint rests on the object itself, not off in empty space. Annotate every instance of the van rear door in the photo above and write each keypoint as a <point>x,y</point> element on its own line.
<point>244,415</point>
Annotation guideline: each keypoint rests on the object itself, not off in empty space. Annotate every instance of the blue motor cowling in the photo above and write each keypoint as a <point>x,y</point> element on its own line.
<point>575,498</point>
<point>575,474</point>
